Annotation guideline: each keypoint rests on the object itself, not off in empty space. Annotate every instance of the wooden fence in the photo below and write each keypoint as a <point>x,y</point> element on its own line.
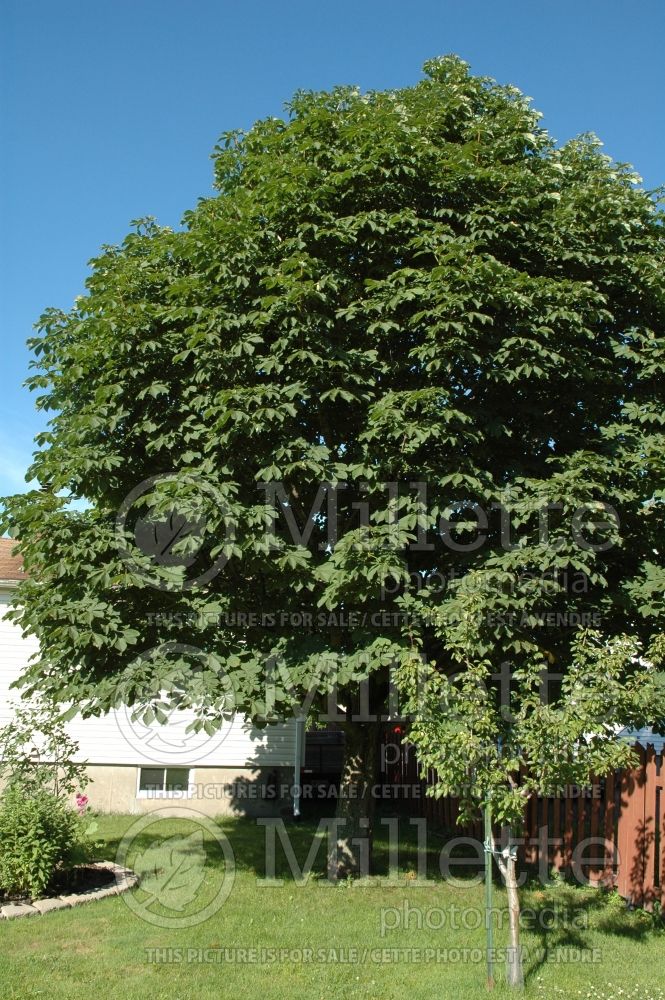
<point>611,832</point>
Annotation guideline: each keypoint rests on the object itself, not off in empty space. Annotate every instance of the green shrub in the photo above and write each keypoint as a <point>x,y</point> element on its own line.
<point>39,836</point>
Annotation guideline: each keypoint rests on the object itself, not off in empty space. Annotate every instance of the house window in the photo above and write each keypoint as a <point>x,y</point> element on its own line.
<point>164,782</point>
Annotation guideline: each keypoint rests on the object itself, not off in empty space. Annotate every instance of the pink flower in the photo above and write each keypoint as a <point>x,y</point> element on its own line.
<point>81,802</point>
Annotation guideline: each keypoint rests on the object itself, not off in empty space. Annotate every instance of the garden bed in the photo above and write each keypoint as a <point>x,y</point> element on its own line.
<point>82,884</point>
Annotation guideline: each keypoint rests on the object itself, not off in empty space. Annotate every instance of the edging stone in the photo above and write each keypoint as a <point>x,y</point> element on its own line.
<point>125,879</point>
<point>13,910</point>
<point>46,905</point>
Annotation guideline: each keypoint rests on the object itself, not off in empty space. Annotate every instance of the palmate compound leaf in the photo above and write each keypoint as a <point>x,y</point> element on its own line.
<point>173,870</point>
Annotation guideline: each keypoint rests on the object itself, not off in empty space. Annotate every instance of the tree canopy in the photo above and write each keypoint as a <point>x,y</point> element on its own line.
<point>413,286</point>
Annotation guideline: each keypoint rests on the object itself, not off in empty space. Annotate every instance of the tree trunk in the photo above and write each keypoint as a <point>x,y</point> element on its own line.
<point>508,869</point>
<point>351,851</point>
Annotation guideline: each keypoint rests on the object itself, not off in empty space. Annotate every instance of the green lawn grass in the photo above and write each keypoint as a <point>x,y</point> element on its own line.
<point>103,949</point>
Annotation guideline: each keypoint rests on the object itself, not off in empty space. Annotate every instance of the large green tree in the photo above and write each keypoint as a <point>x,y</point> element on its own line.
<point>413,286</point>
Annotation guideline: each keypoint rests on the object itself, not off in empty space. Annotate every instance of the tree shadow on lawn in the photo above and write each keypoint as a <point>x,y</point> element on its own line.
<point>597,908</point>
<point>248,839</point>
<point>565,916</point>
<point>561,915</point>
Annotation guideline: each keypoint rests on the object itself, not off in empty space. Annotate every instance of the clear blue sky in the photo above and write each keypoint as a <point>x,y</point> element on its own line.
<point>109,110</point>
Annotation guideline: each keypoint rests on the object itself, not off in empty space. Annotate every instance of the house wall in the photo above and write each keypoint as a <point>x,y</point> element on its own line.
<point>229,771</point>
<point>213,791</point>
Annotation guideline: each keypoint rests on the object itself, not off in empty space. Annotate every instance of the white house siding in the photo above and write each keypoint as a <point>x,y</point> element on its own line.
<point>115,747</point>
<point>15,652</point>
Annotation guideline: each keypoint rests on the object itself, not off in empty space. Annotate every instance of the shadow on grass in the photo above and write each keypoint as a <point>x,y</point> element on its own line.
<point>566,916</point>
<point>307,838</point>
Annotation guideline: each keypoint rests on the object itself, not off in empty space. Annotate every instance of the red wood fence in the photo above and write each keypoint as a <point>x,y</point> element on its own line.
<point>612,832</point>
